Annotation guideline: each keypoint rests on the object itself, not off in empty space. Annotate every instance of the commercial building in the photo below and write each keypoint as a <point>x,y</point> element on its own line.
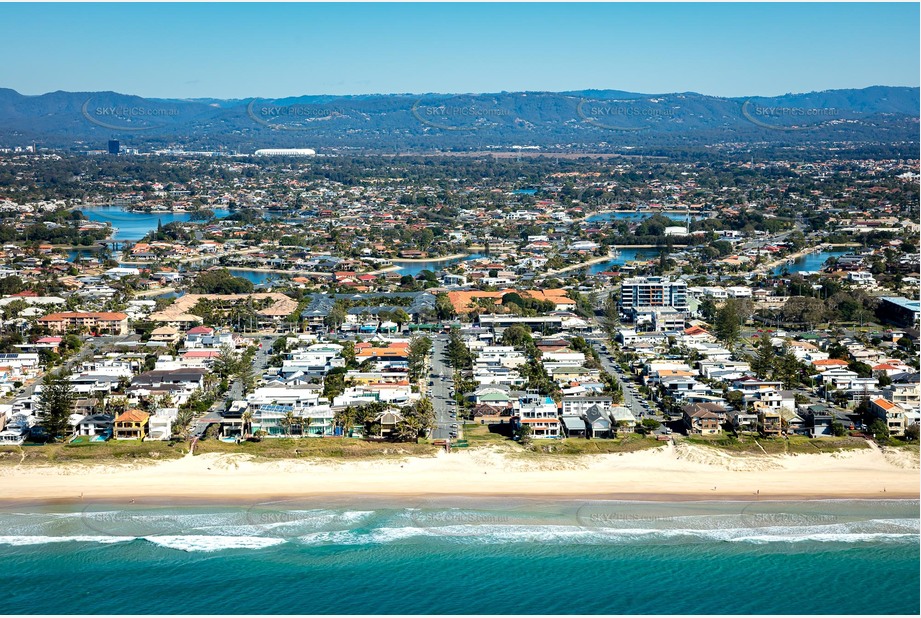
<point>899,311</point>
<point>286,152</point>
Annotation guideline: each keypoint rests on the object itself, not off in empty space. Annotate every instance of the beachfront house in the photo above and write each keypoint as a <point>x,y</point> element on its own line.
<point>95,425</point>
<point>770,422</point>
<point>131,425</point>
<point>700,419</point>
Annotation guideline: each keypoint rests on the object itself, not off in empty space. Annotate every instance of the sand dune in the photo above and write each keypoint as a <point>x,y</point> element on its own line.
<point>682,471</point>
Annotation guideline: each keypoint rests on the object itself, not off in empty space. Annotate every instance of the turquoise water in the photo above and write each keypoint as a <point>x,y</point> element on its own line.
<point>624,256</point>
<point>414,268</point>
<point>811,263</point>
<point>256,277</point>
<point>458,556</point>
<point>135,225</point>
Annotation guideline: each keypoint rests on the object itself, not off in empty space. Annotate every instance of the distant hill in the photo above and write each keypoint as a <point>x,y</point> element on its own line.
<point>595,120</point>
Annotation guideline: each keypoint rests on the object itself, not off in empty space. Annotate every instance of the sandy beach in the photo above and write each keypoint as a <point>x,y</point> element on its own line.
<point>669,472</point>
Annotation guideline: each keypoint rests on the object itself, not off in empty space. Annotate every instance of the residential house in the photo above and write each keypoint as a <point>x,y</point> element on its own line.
<point>95,425</point>
<point>701,419</point>
<point>130,425</point>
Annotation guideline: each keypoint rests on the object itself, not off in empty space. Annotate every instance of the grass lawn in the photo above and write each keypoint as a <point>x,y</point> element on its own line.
<point>581,446</point>
<point>479,435</point>
<point>755,445</point>
<point>92,452</point>
<point>334,448</point>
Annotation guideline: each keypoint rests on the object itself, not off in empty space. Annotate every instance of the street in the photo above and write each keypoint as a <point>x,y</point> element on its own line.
<point>442,378</point>
<point>89,349</point>
<point>632,399</point>
<point>235,392</point>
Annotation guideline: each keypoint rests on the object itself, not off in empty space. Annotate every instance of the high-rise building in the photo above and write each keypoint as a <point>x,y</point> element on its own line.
<point>114,146</point>
<point>653,292</point>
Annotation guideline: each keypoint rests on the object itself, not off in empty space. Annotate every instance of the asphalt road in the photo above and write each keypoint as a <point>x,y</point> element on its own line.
<point>441,376</point>
<point>632,399</point>
<point>90,346</point>
<point>235,392</point>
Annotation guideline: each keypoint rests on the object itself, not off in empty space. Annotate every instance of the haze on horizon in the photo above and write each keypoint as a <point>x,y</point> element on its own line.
<point>245,50</point>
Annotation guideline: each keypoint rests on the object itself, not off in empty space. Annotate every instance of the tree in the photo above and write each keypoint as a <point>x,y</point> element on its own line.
<point>650,424</point>
<point>862,370</point>
<point>735,398</point>
<point>728,325</point>
<point>220,281</point>
<point>182,423</point>
<point>458,354</point>
<point>419,349</point>
<point>518,336</point>
<point>345,419</point>
<point>763,362</point>
<point>804,309</point>
<point>305,425</point>
<point>247,422</point>
<point>524,435</point>
<point>444,309</point>
<point>911,433</point>
<point>227,363</point>
<point>417,420</point>
<point>878,429</point>
<point>400,317</point>
<point>246,374</point>
<point>56,404</point>
<point>787,367</point>
<point>287,421</point>
<point>334,383</point>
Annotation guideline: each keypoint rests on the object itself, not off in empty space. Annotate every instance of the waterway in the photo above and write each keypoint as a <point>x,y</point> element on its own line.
<point>808,263</point>
<point>255,276</point>
<point>414,268</point>
<point>132,226</point>
<point>624,255</point>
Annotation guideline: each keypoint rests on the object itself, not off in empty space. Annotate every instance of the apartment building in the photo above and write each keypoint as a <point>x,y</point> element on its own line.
<point>100,322</point>
<point>653,292</point>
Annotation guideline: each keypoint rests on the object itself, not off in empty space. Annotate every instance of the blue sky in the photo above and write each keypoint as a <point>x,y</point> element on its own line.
<point>245,50</point>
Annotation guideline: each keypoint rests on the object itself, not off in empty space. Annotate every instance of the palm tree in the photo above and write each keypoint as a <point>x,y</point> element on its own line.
<point>210,380</point>
<point>345,419</point>
<point>287,421</point>
<point>247,422</point>
<point>305,427</point>
<point>183,421</point>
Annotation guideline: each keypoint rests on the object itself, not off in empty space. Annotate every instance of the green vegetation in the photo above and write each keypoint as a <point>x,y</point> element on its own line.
<point>92,452</point>
<point>579,446</point>
<point>56,403</point>
<point>751,445</point>
<point>480,435</point>
<point>220,281</point>
<point>293,448</point>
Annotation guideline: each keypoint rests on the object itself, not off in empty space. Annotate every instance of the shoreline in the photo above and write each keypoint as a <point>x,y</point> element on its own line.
<point>412,498</point>
<point>443,258</point>
<point>661,474</point>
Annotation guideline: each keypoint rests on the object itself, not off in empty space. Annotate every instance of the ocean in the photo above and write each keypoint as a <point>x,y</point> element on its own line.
<point>462,556</point>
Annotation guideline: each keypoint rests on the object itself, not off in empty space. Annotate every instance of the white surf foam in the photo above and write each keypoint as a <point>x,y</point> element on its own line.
<point>206,543</point>
<point>42,540</point>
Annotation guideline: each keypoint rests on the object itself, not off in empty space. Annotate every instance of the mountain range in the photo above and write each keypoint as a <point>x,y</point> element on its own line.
<point>585,120</point>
